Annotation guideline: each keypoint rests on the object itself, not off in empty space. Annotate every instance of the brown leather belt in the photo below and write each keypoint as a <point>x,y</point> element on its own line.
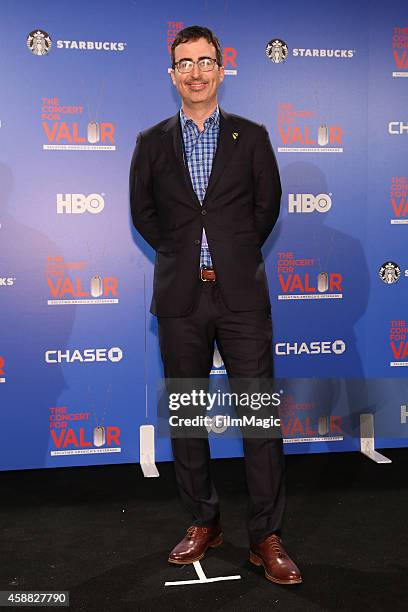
<point>207,274</point>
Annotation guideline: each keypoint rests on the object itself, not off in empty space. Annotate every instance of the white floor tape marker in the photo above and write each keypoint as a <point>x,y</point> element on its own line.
<point>367,439</point>
<point>202,578</point>
<point>147,455</point>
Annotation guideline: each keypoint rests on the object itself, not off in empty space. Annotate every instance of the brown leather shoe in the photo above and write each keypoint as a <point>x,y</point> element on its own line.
<point>195,543</point>
<point>276,562</point>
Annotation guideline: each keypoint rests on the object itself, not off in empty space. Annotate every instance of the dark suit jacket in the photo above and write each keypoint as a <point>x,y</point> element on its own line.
<point>240,208</point>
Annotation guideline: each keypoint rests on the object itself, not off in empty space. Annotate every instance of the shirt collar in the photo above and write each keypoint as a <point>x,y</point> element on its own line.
<point>212,120</point>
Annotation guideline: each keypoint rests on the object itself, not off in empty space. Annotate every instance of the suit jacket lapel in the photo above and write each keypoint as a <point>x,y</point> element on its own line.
<point>227,145</point>
<point>172,140</point>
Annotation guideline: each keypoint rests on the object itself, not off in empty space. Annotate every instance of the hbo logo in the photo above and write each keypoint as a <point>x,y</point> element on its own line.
<point>307,202</point>
<point>78,203</point>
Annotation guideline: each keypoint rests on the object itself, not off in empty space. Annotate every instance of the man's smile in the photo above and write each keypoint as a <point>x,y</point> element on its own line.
<point>197,85</point>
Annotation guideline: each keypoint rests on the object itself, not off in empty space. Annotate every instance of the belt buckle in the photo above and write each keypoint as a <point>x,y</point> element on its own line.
<point>205,280</point>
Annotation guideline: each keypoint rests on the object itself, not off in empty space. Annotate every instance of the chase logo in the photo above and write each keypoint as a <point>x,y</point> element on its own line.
<point>396,128</point>
<point>114,355</point>
<point>324,347</point>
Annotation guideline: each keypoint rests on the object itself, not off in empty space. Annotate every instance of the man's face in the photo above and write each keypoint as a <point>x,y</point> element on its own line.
<point>197,86</point>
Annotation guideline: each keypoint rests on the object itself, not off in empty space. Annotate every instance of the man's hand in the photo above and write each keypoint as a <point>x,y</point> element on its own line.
<point>268,189</point>
<point>143,209</point>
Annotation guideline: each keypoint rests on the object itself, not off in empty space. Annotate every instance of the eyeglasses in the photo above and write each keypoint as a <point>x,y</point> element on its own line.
<point>205,64</point>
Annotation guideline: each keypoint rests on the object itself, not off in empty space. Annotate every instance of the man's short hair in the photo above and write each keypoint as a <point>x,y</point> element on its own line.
<point>194,33</point>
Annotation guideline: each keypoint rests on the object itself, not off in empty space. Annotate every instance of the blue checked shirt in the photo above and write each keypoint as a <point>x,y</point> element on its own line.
<point>199,153</point>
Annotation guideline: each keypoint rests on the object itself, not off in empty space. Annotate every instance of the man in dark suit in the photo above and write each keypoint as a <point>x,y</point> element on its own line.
<point>205,194</point>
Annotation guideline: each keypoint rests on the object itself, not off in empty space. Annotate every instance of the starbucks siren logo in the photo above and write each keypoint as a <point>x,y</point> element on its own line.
<point>277,50</point>
<point>39,42</point>
<point>389,272</point>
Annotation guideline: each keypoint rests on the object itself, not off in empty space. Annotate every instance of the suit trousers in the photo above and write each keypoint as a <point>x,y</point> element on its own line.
<point>244,340</point>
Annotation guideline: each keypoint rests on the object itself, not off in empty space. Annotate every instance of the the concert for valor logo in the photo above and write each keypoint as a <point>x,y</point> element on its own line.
<point>399,200</point>
<point>300,131</point>
<point>81,433</point>
<point>2,370</point>
<point>400,52</point>
<point>296,282</point>
<point>399,343</point>
<point>77,283</point>
<point>75,127</point>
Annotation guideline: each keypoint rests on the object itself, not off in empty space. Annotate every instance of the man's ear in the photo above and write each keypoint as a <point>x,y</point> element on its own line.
<point>173,78</point>
<point>222,73</point>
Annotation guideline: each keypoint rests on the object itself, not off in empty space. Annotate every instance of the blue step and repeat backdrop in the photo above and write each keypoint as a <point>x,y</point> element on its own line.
<point>79,357</point>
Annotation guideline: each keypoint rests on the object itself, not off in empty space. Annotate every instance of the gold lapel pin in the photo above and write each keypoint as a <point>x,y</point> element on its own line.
<point>235,135</point>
